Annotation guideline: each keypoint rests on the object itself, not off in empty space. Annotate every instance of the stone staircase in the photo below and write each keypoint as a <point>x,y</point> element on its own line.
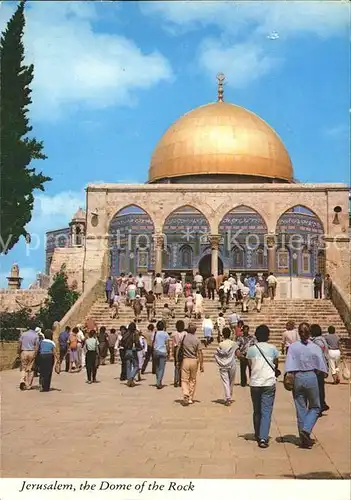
<point>273,313</point>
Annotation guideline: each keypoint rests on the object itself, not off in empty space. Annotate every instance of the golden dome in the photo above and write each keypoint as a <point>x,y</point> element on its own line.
<point>220,139</point>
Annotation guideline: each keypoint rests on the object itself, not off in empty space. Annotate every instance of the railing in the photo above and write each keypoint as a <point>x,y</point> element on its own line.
<point>81,307</point>
<point>342,305</point>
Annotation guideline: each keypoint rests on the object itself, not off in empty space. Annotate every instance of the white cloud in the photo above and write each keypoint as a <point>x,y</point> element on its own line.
<point>290,17</point>
<point>241,63</point>
<point>338,132</point>
<point>75,66</point>
<point>55,212</point>
<point>246,27</point>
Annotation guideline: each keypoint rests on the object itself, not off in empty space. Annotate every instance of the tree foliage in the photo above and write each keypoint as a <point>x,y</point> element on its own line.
<point>60,300</point>
<point>12,322</point>
<point>18,180</point>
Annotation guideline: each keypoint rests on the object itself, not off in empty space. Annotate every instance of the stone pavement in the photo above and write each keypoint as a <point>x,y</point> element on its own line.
<point>110,430</point>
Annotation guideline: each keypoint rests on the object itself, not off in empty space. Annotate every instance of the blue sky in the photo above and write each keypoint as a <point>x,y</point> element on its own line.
<point>110,78</point>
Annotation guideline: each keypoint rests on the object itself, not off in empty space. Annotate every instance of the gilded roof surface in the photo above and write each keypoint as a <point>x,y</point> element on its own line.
<point>220,138</point>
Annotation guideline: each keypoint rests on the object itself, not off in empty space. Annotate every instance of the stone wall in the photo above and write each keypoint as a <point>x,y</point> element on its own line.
<point>8,354</point>
<point>73,259</point>
<point>80,309</point>
<point>342,303</point>
<point>14,300</point>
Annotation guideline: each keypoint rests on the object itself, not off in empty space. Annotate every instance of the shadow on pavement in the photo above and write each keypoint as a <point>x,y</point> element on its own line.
<point>317,475</point>
<point>247,437</point>
<point>288,438</point>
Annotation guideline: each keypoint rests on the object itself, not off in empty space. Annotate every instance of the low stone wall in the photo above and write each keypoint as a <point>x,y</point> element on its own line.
<point>8,353</point>
<point>14,300</point>
<point>342,305</point>
<point>81,307</point>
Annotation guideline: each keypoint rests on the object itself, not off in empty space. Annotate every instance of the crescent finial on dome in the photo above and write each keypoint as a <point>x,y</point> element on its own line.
<point>220,78</point>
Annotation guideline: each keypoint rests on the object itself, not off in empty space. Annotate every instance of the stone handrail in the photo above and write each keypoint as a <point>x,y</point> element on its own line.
<point>343,306</point>
<point>81,307</point>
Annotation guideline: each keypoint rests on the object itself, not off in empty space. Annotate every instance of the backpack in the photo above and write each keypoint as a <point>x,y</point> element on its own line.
<point>73,342</point>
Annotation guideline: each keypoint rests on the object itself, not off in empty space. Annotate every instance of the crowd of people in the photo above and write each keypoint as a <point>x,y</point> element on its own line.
<point>310,355</point>
<point>248,291</point>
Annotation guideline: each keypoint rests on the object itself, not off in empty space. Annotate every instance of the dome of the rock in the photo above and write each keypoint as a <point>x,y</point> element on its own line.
<point>220,142</point>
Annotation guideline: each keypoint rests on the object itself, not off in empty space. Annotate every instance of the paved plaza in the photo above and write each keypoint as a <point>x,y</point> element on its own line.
<point>110,430</point>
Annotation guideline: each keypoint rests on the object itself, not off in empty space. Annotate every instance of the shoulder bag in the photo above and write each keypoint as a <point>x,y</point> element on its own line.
<point>180,352</point>
<point>277,372</point>
<point>345,372</point>
<point>153,344</point>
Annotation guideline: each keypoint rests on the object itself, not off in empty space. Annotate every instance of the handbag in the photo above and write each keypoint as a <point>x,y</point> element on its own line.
<point>180,352</point>
<point>277,372</point>
<point>345,371</point>
<point>57,367</point>
<point>153,343</point>
<point>289,380</point>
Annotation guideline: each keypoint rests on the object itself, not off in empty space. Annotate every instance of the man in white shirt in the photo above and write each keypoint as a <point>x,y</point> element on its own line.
<point>258,297</point>
<point>263,359</point>
<point>227,290</point>
<point>245,292</point>
<point>272,285</point>
<point>140,285</point>
<point>178,291</point>
<point>198,281</point>
<point>233,319</point>
<point>231,280</point>
<point>198,304</point>
<point>81,355</point>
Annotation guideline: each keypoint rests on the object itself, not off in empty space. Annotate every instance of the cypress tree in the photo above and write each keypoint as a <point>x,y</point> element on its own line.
<point>18,180</point>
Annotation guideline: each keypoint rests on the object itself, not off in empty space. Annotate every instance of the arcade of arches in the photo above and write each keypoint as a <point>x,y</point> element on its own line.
<point>241,245</point>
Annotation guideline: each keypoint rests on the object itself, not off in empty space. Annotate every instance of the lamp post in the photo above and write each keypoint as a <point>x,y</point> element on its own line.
<point>293,258</point>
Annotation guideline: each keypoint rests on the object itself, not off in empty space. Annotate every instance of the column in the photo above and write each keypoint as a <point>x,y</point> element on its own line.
<point>271,250</point>
<point>158,242</point>
<point>214,240</point>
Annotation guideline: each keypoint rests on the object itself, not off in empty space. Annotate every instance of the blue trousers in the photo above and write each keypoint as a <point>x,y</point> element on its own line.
<point>132,365</point>
<point>160,365</point>
<point>262,402</point>
<point>306,399</point>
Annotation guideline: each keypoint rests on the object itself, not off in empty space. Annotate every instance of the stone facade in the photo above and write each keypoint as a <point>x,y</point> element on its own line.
<point>270,201</point>
<point>14,300</point>
<point>73,259</point>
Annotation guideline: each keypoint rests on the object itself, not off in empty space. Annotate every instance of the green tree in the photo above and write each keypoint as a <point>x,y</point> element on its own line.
<point>60,300</point>
<point>18,181</point>
<point>12,322</point>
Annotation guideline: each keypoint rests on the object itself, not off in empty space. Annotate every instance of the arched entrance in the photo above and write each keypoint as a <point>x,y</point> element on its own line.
<point>243,232</point>
<point>131,241</point>
<point>185,231</point>
<point>205,266</point>
<point>300,245</point>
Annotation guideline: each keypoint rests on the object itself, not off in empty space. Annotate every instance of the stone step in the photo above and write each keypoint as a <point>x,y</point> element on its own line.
<point>273,313</point>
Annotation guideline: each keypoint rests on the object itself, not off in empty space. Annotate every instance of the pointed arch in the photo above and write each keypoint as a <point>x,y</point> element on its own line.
<point>300,218</point>
<point>131,232</point>
<point>186,228</point>
<point>186,216</point>
<point>242,231</point>
<point>186,256</point>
